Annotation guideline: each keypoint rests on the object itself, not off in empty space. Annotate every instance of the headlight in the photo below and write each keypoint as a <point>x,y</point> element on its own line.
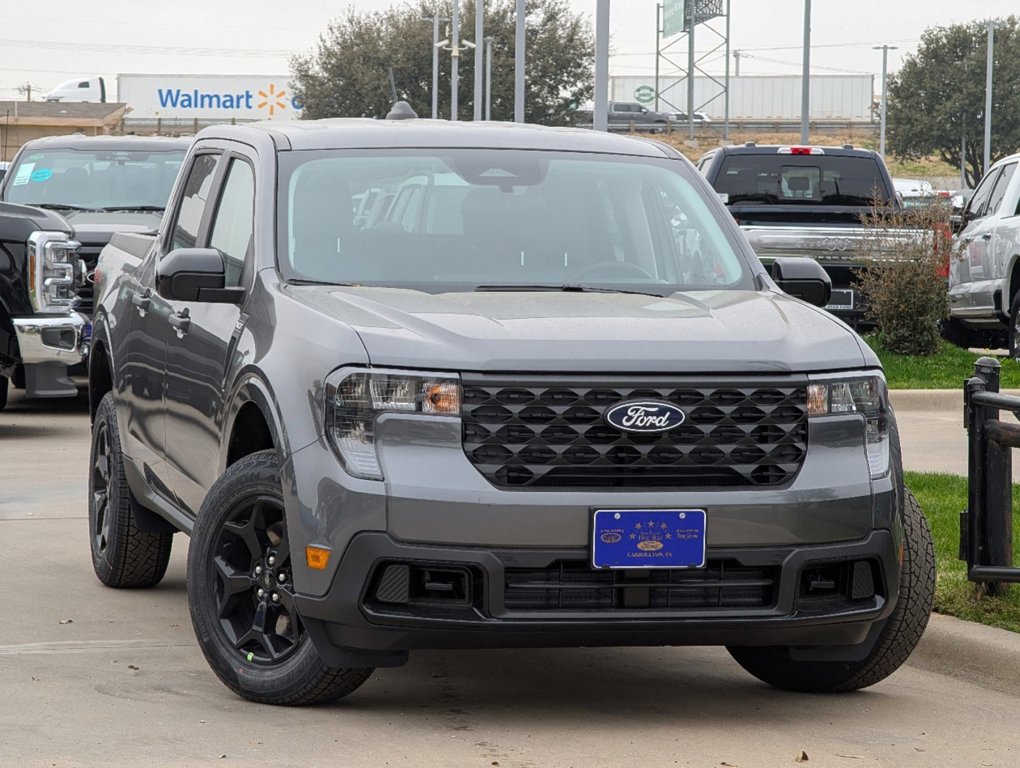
<point>865,395</point>
<point>52,260</point>
<point>355,399</point>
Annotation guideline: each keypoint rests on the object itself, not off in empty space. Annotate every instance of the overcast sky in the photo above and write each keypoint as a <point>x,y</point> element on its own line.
<point>46,42</point>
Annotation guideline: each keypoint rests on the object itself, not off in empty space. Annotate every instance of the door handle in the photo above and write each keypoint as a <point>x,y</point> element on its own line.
<point>180,322</point>
<point>142,301</point>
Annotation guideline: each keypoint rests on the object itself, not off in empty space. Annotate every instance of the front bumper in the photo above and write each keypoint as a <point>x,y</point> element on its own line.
<point>379,607</point>
<point>51,339</point>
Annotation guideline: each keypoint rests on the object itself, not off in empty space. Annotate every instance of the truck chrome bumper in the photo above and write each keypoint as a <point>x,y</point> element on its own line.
<point>55,339</point>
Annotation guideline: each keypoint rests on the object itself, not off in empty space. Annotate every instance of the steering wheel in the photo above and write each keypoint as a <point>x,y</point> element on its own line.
<point>610,269</point>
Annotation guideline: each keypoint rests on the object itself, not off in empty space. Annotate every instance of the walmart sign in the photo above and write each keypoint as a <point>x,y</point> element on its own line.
<point>221,97</point>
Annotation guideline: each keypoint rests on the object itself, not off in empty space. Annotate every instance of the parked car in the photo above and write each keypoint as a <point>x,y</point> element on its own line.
<point>681,117</point>
<point>984,283</point>
<point>916,193</point>
<point>4,165</point>
<point>71,193</point>
<point>810,201</point>
<point>548,398</point>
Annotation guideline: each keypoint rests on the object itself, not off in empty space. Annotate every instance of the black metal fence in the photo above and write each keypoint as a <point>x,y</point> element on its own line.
<point>986,526</point>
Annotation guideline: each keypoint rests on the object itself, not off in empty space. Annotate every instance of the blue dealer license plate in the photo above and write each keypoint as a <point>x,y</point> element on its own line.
<point>648,538</point>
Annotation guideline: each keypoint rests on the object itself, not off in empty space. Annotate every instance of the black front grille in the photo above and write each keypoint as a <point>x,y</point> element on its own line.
<point>554,436</point>
<point>89,252</point>
<point>572,585</point>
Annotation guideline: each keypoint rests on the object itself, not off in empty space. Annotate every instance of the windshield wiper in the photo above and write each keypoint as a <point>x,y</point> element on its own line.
<point>61,207</point>
<point>133,208</point>
<point>560,288</point>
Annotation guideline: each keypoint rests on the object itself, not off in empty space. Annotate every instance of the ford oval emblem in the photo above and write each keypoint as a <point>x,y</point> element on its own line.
<point>645,416</point>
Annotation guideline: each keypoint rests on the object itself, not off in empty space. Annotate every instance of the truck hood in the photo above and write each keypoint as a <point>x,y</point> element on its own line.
<point>98,227</point>
<point>515,331</point>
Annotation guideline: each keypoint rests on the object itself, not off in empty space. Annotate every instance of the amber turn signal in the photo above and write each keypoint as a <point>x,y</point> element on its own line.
<point>317,558</point>
<point>442,397</point>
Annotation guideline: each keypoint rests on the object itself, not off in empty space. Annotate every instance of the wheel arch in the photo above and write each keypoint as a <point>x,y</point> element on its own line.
<point>252,422</point>
<point>1012,285</point>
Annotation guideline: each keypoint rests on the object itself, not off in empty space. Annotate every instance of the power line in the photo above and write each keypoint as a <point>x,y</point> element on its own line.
<point>79,45</point>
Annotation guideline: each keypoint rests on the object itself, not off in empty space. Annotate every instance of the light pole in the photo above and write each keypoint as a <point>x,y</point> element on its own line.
<point>436,45</point>
<point>519,43</point>
<point>805,86</point>
<point>488,77</point>
<point>885,60</point>
<point>988,98</point>
<point>479,40</point>
<point>600,115</point>
<point>454,59</point>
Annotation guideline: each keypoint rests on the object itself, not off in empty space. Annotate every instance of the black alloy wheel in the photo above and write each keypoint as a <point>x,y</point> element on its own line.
<point>253,585</point>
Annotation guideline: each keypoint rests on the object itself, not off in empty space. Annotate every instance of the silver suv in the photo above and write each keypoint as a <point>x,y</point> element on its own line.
<point>543,395</point>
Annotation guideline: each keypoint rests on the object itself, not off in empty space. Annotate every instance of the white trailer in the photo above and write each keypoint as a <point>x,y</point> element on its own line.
<point>757,98</point>
<point>207,97</point>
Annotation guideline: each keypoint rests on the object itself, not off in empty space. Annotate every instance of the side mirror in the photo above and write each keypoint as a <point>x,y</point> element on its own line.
<point>956,223</point>
<point>803,278</point>
<point>195,274</point>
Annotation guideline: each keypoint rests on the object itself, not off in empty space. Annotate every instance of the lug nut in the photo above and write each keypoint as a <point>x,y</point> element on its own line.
<point>272,560</point>
<point>261,593</point>
<point>281,578</point>
<point>276,598</point>
<point>258,570</point>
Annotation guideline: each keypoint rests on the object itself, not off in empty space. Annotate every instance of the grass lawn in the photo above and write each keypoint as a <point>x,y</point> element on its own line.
<point>946,370</point>
<point>942,498</point>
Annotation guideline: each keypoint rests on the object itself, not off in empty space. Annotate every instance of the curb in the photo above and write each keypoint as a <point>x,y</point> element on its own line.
<point>985,656</point>
<point>932,399</point>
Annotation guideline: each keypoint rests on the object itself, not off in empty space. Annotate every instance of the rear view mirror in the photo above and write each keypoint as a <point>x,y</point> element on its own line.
<point>803,278</point>
<point>194,274</point>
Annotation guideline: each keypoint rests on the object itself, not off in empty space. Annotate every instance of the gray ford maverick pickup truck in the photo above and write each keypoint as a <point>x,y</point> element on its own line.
<point>412,384</point>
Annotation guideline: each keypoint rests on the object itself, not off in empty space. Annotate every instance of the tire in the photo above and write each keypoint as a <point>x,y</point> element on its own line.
<point>255,643</point>
<point>897,640</point>
<point>1014,328</point>
<point>122,555</point>
<point>5,384</point>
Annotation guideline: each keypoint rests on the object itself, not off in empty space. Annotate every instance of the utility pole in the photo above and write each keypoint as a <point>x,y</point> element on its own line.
<point>479,46</point>
<point>988,99</point>
<point>736,63</point>
<point>436,45</point>
<point>885,61</point>
<point>600,115</point>
<point>488,77</point>
<point>25,89</point>
<point>805,87</point>
<point>455,59</point>
<point>519,43</point>
<point>692,10</point>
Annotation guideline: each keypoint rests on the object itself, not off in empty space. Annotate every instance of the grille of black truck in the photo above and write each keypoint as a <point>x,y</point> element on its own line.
<point>571,585</point>
<point>89,252</point>
<point>554,435</point>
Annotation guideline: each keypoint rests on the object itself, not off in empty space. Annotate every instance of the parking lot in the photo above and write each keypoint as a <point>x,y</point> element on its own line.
<point>91,677</point>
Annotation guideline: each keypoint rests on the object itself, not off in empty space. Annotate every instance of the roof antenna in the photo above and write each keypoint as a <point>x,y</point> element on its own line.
<point>401,111</point>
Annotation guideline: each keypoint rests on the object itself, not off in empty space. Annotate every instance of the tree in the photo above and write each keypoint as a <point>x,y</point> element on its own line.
<point>937,99</point>
<point>348,74</point>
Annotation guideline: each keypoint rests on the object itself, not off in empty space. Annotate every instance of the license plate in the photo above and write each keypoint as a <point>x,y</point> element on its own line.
<point>842,298</point>
<point>648,538</point>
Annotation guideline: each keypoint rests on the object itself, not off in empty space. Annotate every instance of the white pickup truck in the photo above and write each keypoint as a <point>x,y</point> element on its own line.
<point>984,282</point>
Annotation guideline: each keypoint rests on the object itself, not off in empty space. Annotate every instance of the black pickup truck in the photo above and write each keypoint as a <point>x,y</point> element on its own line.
<point>63,198</point>
<point>810,201</point>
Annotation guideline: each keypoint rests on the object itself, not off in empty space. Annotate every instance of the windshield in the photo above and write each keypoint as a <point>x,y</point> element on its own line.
<point>801,180</point>
<point>463,219</point>
<point>94,179</point>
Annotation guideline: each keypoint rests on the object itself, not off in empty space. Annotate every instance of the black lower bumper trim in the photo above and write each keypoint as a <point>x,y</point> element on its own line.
<point>346,624</point>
